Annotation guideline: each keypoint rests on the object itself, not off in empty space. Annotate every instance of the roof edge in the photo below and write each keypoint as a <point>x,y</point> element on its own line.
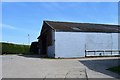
<point>49,25</point>
<point>83,23</point>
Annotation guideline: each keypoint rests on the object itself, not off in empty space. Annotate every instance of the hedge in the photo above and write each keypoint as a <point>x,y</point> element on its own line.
<point>9,48</point>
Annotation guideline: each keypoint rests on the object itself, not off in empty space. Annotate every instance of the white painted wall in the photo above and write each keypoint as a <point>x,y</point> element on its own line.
<point>51,49</point>
<point>73,44</point>
<point>69,44</point>
<point>98,41</point>
<point>119,41</point>
<point>115,41</point>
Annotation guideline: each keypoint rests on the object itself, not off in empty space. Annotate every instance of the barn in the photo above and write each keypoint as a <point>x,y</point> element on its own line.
<point>72,40</point>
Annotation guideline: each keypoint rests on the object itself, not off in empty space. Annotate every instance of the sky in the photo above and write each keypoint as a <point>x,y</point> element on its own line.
<point>22,18</point>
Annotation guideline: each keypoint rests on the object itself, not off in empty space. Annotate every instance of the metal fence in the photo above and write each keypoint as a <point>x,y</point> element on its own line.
<point>102,53</point>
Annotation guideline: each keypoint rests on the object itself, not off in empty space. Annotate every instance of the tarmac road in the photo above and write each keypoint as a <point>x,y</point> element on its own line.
<point>14,66</point>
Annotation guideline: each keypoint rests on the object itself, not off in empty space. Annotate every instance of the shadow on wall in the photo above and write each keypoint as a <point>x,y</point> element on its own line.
<point>102,65</point>
<point>34,48</point>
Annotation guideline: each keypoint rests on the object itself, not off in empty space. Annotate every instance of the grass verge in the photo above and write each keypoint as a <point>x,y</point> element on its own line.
<point>115,69</point>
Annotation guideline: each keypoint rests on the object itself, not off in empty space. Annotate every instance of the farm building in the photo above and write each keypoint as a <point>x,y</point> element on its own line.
<point>72,40</point>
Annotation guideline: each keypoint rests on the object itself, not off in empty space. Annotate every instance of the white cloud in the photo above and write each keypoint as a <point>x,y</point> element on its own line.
<point>8,26</point>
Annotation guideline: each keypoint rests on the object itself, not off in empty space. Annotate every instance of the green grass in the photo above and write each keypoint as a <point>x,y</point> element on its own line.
<point>115,69</point>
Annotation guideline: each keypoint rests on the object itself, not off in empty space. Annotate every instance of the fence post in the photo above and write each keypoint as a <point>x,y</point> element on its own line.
<point>103,53</point>
<point>85,53</point>
<point>111,52</point>
<point>94,53</point>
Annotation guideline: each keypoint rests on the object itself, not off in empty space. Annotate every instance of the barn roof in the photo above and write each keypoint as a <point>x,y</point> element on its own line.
<point>82,27</point>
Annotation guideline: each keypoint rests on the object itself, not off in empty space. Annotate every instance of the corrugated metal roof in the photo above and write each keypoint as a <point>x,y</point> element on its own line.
<point>82,27</point>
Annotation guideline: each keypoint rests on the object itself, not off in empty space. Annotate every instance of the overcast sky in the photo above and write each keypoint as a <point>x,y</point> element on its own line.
<point>22,18</point>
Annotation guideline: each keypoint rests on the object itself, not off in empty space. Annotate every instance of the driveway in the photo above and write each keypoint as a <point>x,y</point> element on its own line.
<point>14,66</point>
